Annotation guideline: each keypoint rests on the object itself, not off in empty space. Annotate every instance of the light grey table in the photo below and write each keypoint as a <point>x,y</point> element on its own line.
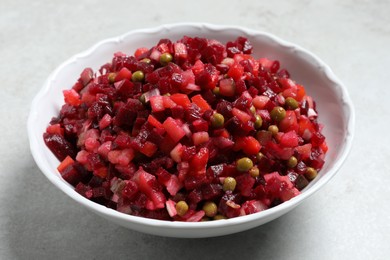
<point>348,219</point>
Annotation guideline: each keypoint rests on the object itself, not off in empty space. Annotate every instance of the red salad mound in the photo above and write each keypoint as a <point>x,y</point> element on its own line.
<point>188,131</point>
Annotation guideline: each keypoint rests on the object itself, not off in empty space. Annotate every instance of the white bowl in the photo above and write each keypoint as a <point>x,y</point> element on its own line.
<point>333,103</point>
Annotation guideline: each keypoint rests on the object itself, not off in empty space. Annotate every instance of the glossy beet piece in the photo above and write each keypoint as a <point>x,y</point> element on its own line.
<point>59,146</point>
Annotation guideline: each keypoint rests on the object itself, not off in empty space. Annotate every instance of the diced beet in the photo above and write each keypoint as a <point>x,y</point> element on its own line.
<point>227,205</point>
<point>194,197</point>
<point>234,126</point>
<point>225,108</point>
<point>95,160</point>
<point>200,125</point>
<point>145,182</point>
<point>244,101</point>
<point>130,189</point>
<point>208,78</point>
<point>127,114</point>
<point>253,206</point>
<point>232,49</point>
<point>99,192</point>
<point>317,139</point>
<point>176,80</point>
<point>244,45</point>
<point>180,51</point>
<point>240,86</point>
<point>59,146</point>
<point>124,88</point>
<point>245,183</point>
<point>192,113</point>
<point>71,174</point>
<point>289,139</point>
<point>86,76</point>
<point>316,161</point>
<point>211,191</point>
<point>280,186</point>
<point>223,142</point>
<point>84,190</point>
<point>264,136</point>
<point>279,152</point>
<point>121,141</point>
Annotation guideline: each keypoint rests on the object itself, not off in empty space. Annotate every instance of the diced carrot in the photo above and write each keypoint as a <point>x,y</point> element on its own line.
<point>65,163</point>
<point>148,149</point>
<point>201,103</point>
<point>173,129</point>
<point>138,52</point>
<point>154,122</point>
<point>236,71</point>
<point>181,99</point>
<point>300,92</point>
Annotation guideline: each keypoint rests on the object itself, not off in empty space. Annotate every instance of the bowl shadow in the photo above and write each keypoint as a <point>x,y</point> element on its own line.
<point>45,224</point>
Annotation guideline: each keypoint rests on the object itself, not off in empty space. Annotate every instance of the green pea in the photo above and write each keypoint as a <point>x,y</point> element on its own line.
<point>217,120</point>
<point>292,162</point>
<point>142,99</point>
<point>146,60</point>
<point>165,58</point>
<point>111,77</point>
<point>252,109</point>
<point>219,217</point>
<point>259,156</point>
<point>181,208</point>
<point>244,164</point>
<point>254,172</point>
<point>210,209</point>
<point>273,129</point>
<point>278,113</point>
<point>291,103</point>
<point>258,122</point>
<point>311,173</point>
<point>229,184</point>
<point>138,76</point>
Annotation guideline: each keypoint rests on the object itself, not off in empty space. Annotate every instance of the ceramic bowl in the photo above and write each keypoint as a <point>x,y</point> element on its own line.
<point>333,103</point>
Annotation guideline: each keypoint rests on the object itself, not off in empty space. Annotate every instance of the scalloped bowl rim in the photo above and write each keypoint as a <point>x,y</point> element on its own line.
<point>267,214</point>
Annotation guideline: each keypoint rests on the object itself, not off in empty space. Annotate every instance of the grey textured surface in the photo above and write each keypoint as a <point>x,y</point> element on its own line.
<point>349,218</point>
